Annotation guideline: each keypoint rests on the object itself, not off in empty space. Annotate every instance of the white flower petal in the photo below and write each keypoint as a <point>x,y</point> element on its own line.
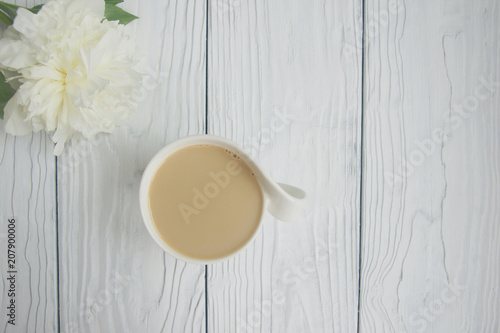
<point>15,54</point>
<point>75,72</point>
<point>14,122</point>
<point>26,23</point>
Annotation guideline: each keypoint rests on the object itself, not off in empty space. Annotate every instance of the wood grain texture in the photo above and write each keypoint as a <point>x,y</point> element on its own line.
<point>430,232</point>
<point>113,277</point>
<point>284,81</point>
<point>27,194</point>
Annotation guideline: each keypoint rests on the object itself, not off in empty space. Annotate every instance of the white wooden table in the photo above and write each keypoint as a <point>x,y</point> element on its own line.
<point>397,143</point>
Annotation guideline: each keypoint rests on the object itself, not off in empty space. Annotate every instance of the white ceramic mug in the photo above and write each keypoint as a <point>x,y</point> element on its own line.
<point>283,201</point>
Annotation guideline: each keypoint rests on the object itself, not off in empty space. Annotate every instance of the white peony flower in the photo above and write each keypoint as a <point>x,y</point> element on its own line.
<point>76,74</point>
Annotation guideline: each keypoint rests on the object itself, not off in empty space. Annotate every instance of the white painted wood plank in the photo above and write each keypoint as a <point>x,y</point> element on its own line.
<point>27,194</point>
<point>113,277</point>
<point>27,183</point>
<point>430,239</point>
<point>284,81</point>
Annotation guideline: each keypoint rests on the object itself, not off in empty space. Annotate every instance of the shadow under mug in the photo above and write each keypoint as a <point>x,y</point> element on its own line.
<point>283,201</point>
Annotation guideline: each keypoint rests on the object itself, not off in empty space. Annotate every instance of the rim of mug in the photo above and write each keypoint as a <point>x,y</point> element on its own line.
<point>147,177</point>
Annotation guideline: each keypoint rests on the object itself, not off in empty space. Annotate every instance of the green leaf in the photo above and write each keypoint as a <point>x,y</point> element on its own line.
<point>9,9</point>
<point>6,93</point>
<point>36,9</point>
<point>114,13</point>
<point>113,2</point>
<point>8,12</point>
<point>111,12</point>
<point>5,18</point>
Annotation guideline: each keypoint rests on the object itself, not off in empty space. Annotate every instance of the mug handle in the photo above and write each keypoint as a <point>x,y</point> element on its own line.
<point>285,201</point>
